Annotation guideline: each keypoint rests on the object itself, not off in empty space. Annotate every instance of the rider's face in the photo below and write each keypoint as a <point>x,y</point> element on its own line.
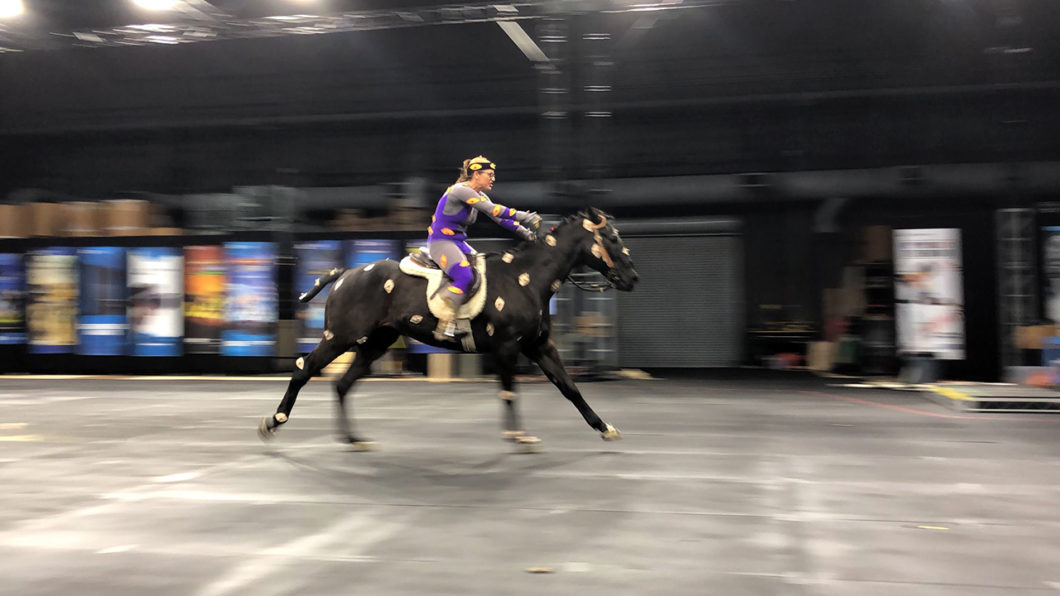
<point>484,179</point>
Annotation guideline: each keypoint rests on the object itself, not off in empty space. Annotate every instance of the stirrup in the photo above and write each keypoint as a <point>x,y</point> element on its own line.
<point>448,329</point>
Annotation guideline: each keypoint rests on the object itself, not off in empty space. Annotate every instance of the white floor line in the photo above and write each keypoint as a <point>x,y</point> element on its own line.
<point>348,538</point>
<point>63,518</point>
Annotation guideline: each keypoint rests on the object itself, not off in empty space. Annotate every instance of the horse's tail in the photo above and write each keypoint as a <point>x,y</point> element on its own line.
<point>321,283</point>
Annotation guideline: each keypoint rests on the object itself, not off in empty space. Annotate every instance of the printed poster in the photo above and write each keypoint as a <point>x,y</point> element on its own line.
<point>12,299</point>
<point>51,309</point>
<point>1051,265</point>
<point>929,292</point>
<point>314,259</point>
<point>102,322</point>
<point>251,305</point>
<point>204,299</point>
<point>156,292</point>
<point>364,251</point>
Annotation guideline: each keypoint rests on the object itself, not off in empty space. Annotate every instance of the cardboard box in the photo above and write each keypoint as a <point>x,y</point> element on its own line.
<point>349,220</point>
<point>126,217</point>
<point>12,221</point>
<point>80,218</point>
<point>44,218</point>
<point>820,356</point>
<point>1031,337</point>
<point>405,218</point>
<point>163,232</point>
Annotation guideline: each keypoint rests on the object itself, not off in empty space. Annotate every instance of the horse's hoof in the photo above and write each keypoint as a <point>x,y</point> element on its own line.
<point>361,446</point>
<point>528,444</point>
<point>512,435</point>
<point>264,432</point>
<point>611,434</point>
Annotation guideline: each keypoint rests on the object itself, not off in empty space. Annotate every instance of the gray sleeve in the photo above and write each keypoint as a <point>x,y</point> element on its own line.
<point>457,197</point>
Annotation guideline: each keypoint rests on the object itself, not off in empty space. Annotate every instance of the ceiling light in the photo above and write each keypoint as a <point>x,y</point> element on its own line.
<point>11,8</point>
<point>156,4</point>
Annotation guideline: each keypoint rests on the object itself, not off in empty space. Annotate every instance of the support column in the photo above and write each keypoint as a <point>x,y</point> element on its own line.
<point>1017,279</point>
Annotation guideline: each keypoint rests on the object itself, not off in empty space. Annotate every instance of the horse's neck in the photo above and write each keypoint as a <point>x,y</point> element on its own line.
<point>553,262</point>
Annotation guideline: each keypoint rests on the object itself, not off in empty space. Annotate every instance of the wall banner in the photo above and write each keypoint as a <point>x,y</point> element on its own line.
<point>364,251</point>
<point>102,322</point>
<point>51,308</point>
<point>156,290</point>
<point>929,292</point>
<point>251,305</point>
<point>1051,267</point>
<point>204,299</point>
<point>12,299</point>
<point>314,259</point>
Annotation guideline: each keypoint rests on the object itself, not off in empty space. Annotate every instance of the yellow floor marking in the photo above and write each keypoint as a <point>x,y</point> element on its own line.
<point>933,527</point>
<point>12,425</point>
<point>22,438</point>
<point>952,393</point>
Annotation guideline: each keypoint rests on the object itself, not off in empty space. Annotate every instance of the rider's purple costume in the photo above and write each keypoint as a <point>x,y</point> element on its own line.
<point>457,209</point>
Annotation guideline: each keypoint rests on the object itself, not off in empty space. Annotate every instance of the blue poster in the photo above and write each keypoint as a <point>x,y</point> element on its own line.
<point>51,307</point>
<point>251,306</point>
<point>362,252</point>
<point>156,301</point>
<point>102,322</point>
<point>314,260</point>
<point>12,299</point>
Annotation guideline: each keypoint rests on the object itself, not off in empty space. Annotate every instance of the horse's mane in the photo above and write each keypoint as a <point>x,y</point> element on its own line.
<point>589,213</point>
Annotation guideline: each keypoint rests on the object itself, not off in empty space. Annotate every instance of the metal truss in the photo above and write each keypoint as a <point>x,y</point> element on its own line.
<point>200,20</point>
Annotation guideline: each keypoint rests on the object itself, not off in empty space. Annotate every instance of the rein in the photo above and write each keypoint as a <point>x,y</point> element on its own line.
<point>592,286</point>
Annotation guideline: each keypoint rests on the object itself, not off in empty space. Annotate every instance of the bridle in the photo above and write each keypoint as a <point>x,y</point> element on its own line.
<point>598,240</point>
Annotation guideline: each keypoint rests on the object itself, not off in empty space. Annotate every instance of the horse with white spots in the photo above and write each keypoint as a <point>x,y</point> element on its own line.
<point>369,307</point>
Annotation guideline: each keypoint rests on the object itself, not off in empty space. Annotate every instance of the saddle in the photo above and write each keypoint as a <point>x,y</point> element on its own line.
<point>419,264</point>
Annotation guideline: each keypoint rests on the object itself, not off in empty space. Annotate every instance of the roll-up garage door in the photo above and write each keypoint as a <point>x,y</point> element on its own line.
<point>687,309</point>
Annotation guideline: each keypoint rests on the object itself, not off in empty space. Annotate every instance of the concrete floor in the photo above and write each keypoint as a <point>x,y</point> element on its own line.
<point>768,484</point>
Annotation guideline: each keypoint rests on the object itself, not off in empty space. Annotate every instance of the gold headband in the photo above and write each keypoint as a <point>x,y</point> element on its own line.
<point>480,165</point>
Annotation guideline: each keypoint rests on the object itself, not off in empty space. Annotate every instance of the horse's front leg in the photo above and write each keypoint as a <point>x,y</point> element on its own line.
<point>305,368</point>
<point>547,357</point>
<point>506,356</point>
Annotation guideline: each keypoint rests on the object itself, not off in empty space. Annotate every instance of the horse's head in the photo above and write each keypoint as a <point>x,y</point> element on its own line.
<point>605,251</point>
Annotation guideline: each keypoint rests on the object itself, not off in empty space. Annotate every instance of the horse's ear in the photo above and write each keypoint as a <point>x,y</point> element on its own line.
<point>598,215</point>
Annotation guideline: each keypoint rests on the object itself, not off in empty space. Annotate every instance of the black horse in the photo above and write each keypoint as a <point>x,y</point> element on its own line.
<point>369,307</point>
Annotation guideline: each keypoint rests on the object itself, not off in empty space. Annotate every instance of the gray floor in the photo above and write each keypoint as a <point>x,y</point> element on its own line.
<point>765,485</point>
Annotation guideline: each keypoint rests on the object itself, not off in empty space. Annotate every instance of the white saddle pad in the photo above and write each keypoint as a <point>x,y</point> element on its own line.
<point>436,277</point>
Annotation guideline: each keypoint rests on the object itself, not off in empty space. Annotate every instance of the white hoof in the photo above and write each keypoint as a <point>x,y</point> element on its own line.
<point>611,434</point>
<point>528,444</point>
<point>364,446</point>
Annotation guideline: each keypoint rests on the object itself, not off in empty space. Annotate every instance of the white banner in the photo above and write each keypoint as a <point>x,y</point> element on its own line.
<point>1051,259</point>
<point>929,292</point>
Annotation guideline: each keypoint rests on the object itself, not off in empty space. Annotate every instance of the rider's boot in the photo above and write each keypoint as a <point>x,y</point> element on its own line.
<point>447,328</point>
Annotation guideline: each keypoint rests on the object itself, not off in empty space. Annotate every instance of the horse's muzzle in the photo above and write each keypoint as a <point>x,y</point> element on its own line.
<point>621,282</point>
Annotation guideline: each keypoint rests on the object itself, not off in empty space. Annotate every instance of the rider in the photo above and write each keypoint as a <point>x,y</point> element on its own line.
<point>457,209</point>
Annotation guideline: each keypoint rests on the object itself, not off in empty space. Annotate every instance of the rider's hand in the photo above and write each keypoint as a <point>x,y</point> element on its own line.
<point>526,234</point>
<point>532,221</point>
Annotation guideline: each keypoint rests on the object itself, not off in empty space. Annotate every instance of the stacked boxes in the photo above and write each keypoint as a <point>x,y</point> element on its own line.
<point>126,217</point>
<point>12,221</point>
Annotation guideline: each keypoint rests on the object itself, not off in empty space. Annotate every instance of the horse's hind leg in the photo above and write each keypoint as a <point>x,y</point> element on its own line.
<point>506,356</point>
<point>363,356</point>
<point>306,368</point>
